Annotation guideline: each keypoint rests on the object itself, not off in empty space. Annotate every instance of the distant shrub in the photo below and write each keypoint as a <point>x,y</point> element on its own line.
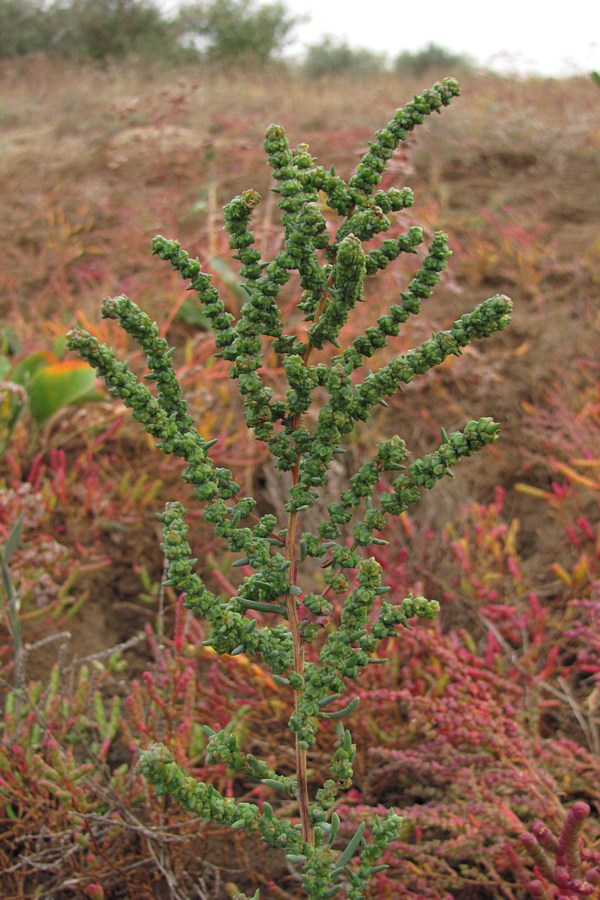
<point>233,32</point>
<point>104,29</point>
<point>23,27</point>
<point>236,31</point>
<point>85,29</point>
<point>431,57</point>
<point>332,57</point>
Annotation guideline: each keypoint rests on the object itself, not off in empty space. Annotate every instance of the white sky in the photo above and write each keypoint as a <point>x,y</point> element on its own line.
<point>556,37</point>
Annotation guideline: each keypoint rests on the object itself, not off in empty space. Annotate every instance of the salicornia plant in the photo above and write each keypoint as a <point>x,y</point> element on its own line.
<point>303,428</point>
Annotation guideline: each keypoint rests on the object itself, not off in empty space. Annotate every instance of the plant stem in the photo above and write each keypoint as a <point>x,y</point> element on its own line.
<point>294,626</point>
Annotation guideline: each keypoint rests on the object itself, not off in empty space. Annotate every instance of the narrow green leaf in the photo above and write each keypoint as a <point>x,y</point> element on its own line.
<point>14,538</point>
<point>261,607</point>
<point>352,846</point>
<point>278,785</point>
<point>340,713</point>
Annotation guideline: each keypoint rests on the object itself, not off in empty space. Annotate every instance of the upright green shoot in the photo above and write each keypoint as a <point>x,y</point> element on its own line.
<point>313,652</point>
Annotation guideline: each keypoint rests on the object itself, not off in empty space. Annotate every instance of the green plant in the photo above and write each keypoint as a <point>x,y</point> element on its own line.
<point>85,29</point>
<point>430,57</point>
<point>237,31</point>
<point>332,57</point>
<point>311,651</point>
<point>42,384</point>
<point>22,27</point>
<point>11,604</point>
<point>107,29</point>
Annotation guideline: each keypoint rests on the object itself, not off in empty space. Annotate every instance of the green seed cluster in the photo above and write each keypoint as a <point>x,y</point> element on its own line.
<point>394,200</point>
<point>295,193</point>
<point>393,614</point>
<point>374,163</point>
<point>348,278</point>
<point>339,196</point>
<point>270,581</point>
<point>231,630</point>
<point>388,458</point>
<point>420,288</point>
<point>382,834</point>
<point>349,404</point>
<point>191,270</point>
<point>223,747</point>
<point>303,221</point>
<point>164,419</point>
<point>307,237</point>
<point>205,801</point>
<point>490,316</point>
<point>137,324</point>
<point>340,769</point>
<point>349,647</point>
<point>332,264</point>
<point>424,472</point>
<point>237,217</point>
<point>392,248</point>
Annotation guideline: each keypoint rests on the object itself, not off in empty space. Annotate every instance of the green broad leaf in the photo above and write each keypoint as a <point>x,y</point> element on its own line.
<point>58,385</point>
<point>59,346</point>
<point>25,371</point>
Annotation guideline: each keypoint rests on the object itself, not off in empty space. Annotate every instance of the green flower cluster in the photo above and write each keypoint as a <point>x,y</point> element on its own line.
<point>223,747</point>
<point>423,473</point>
<point>340,770</point>
<point>322,867</point>
<point>350,647</point>
<point>232,631</point>
<point>206,802</point>
<point>145,332</point>
<point>383,833</point>
<point>303,418</point>
<point>426,471</point>
<point>348,277</point>
<point>191,270</point>
<point>490,316</point>
<point>374,163</point>
<point>420,288</point>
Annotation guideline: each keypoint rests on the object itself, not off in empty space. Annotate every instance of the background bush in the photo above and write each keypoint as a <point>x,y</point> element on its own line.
<point>85,29</point>
<point>229,31</point>
<point>234,31</point>
<point>24,27</point>
<point>333,57</point>
<point>431,58</point>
